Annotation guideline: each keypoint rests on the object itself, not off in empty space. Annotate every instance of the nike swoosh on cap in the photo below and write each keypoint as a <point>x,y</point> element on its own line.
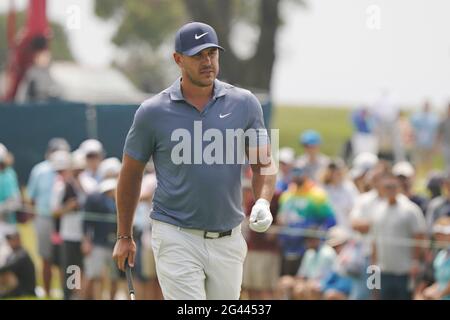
<point>200,36</point>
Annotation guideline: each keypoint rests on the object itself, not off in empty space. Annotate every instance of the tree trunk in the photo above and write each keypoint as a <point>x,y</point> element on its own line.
<point>253,73</point>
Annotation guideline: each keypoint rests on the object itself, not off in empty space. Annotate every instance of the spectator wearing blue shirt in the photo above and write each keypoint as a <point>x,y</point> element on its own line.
<point>425,124</point>
<point>39,188</point>
<point>364,138</point>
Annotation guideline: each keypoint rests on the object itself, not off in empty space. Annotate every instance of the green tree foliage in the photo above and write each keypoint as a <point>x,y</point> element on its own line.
<point>152,23</point>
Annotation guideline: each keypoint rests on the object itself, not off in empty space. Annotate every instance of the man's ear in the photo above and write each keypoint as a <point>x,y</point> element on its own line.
<point>177,58</point>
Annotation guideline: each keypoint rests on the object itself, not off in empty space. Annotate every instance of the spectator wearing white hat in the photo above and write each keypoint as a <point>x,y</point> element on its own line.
<point>93,149</point>
<point>39,189</point>
<point>405,173</point>
<point>68,199</point>
<point>362,164</point>
<point>341,192</point>
<point>61,162</point>
<point>286,158</point>
<point>361,217</point>
<point>109,169</point>
<point>99,235</point>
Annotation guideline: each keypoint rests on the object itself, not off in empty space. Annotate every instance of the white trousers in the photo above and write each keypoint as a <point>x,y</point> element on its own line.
<point>190,267</point>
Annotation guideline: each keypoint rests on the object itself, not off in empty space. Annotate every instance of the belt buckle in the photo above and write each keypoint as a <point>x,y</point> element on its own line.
<point>211,235</point>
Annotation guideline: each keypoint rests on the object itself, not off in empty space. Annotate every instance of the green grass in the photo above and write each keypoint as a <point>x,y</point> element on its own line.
<point>332,123</point>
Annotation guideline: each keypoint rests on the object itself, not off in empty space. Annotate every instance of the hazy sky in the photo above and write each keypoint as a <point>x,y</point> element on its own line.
<point>333,52</point>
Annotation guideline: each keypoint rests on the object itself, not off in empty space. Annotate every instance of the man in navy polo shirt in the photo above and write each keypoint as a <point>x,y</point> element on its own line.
<point>196,131</point>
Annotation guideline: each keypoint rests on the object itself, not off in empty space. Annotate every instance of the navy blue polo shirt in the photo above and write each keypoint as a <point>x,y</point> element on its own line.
<point>198,182</point>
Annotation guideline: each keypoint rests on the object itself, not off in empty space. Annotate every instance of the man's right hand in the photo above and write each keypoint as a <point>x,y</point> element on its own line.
<point>124,249</point>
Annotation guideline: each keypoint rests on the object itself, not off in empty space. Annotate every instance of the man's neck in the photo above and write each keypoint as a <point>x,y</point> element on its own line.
<point>196,95</point>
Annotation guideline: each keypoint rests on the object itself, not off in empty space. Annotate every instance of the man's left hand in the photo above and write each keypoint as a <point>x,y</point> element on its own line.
<point>260,217</point>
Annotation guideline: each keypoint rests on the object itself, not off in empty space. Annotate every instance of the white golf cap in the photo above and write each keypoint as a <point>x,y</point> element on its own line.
<point>109,168</point>
<point>3,153</point>
<point>91,146</point>
<point>9,230</point>
<point>286,155</point>
<point>78,160</point>
<point>107,185</point>
<point>403,168</point>
<point>61,160</point>
<point>337,235</point>
<point>362,163</point>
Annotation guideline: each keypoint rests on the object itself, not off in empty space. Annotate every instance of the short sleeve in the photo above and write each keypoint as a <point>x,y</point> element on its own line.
<point>32,184</point>
<point>256,122</point>
<point>418,224</point>
<point>14,184</point>
<point>140,140</point>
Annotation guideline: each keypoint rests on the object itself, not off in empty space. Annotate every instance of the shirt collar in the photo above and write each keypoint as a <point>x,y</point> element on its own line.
<point>220,89</point>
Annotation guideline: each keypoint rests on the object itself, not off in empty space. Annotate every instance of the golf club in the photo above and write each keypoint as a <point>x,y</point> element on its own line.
<point>129,280</point>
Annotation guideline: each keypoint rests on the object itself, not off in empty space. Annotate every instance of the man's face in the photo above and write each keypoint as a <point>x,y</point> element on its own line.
<point>93,160</point>
<point>202,68</point>
<point>390,188</point>
<point>312,149</point>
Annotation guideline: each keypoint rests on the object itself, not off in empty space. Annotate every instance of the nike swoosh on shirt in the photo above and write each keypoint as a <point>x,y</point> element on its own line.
<point>224,115</point>
<point>200,36</point>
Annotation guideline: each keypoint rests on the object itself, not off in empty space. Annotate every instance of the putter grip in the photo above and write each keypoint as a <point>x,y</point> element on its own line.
<point>129,277</point>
